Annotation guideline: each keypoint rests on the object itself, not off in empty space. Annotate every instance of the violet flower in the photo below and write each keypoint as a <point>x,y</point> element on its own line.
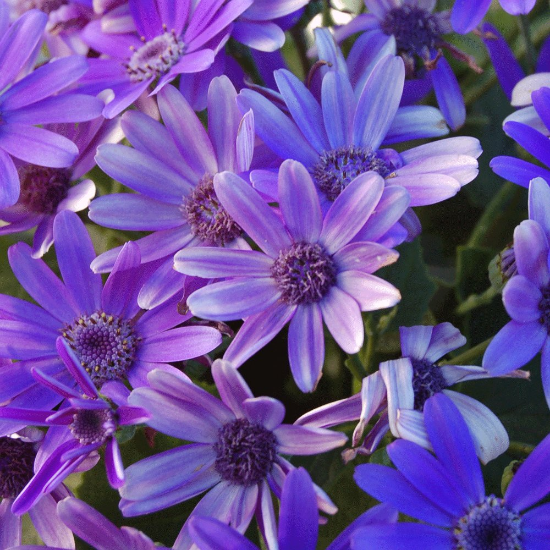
<point>307,271</point>
<point>172,167</point>
<point>298,522</point>
<point>235,452</point>
<point>28,101</point>
<point>86,312</point>
<point>47,191</point>
<point>17,458</point>
<point>446,493</point>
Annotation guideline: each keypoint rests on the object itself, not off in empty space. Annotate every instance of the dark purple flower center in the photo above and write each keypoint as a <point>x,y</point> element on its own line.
<point>417,31</point>
<point>336,169</point>
<point>304,273</point>
<point>206,216</point>
<point>156,57</point>
<point>42,188</point>
<point>93,426</point>
<point>47,6</point>
<point>16,466</point>
<point>544,307</point>
<point>245,452</point>
<point>105,345</point>
<point>427,380</point>
<point>489,526</point>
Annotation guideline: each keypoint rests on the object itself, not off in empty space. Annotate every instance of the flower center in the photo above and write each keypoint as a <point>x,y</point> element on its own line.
<point>42,188</point>
<point>104,344</point>
<point>16,465</point>
<point>304,273</point>
<point>416,30</point>
<point>427,380</point>
<point>245,452</point>
<point>47,6</point>
<point>489,526</point>
<point>91,426</point>
<point>156,57</point>
<point>336,169</point>
<point>206,216</point>
<point>544,307</point>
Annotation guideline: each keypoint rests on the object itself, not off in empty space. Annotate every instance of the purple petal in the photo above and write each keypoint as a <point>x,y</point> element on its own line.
<point>517,7</point>
<point>539,201</point>
<point>541,103</point>
<point>113,464</point>
<point>535,527</point>
<point>231,385</point>
<point>531,252</point>
<point>517,170</point>
<point>259,35</point>
<point>211,534</point>
<point>9,192</point>
<point>448,94</point>
<point>265,411</point>
<point>403,535</point>
<point>146,18</point>
<point>338,108</point>
<point>398,375</point>
<point>536,143</point>
<point>521,299</point>
<point>366,257</point>
<point>545,369</point>
<point>302,440</point>
<point>415,341</point>
<point>425,188</point>
<point>445,337</point>
<point>245,142</point>
<point>416,121</point>
<point>370,292</point>
<point>10,525</point>
<point>467,14</point>
<point>48,524</point>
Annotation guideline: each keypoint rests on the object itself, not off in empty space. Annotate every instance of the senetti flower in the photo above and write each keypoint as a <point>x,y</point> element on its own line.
<point>17,458</point>
<point>111,337</point>
<point>341,138</point>
<point>307,271</point>
<point>298,522</point>
<point>172,168</point>
<point>47,191</point>
<point>235,452</point>
<point>157,41</point>
<point>32,100</point>
<point>446,493</point>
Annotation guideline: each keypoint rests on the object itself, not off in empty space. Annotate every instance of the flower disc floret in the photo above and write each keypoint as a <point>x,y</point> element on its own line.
<point>206,216</point>
<point>245,452</point>
<point>42,188</point>
<point>489,526</point>
<point>336,168</point>
<point>427,380</point>
<point>93,426</point>
<point>156,57</point>
<point>105,345</point>
<point>304,273</point>
<point>16,465</point>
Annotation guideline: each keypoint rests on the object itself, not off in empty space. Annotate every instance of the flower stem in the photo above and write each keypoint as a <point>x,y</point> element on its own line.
<point>529,46</point>
<point>519,449</point>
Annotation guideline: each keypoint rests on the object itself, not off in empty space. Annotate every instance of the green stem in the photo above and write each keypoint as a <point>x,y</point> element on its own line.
<point>301,47</point>
<point>355,366</point>
<point>498,202</point>
<point>519,449</point>
<point>368,352</point>
<point>477,300</point>
<point>467,357</point>
<point>529,46</point>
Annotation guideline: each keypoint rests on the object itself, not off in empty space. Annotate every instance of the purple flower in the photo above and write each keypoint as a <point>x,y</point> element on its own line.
<point>341,138</point>
<point>399,390</point>
<point>17,458</point>
<point>86,314</point>
<point>172,169</point>
<point>446,493</point>
<point>526,299</point>
<point>307,272</point>
<point>155,40</point>
<point>235,452</point>
<point>47,191</point>
<point>31,100</point>
<point>298,521</point>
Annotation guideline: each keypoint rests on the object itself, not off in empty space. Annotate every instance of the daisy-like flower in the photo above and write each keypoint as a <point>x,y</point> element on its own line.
<point>298,522</point>
<point>307,272</point>
<point>526,298</point>
<point>27,101</point>
<point>235,452</point>
<point>112,338</point>
<point>399,390</point>
<point>446,493</point>
<point>158,40</point>
<point>172,168</point>
<point>342,136</point>
<point>17,459</point>
<point>47,191</point>
<point>85,423</point>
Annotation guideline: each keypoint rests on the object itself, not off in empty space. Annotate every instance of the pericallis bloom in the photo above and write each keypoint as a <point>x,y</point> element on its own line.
<point>533,138</point>
<point>341,137</point>
<point>85,422</point>
<point>47,191</point>
<point>307,269</point>
<point>17,458</point>
<point>446,493</point>
<point>31,100</point>
<point>298,522</point>
<point>235,452</point>
<point>155,42</point>
<point>417,37</point>
<point>526,298</point>
<point>110,335</point>
<point>172,167</point>
<point>399,390</point>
